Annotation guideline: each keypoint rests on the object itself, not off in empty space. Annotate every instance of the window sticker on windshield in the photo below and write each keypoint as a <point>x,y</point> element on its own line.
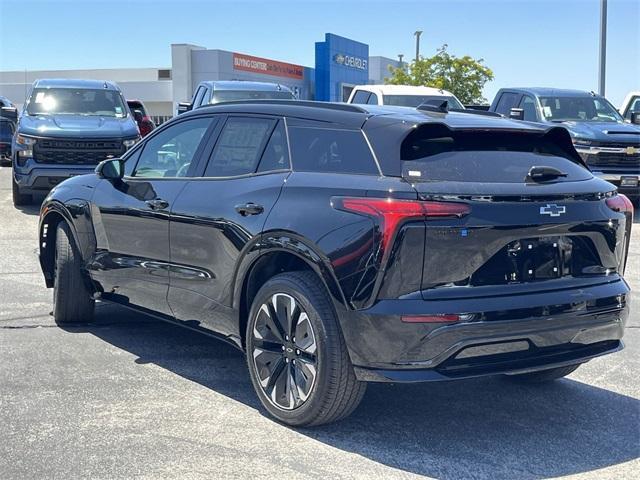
<point>39,97</point>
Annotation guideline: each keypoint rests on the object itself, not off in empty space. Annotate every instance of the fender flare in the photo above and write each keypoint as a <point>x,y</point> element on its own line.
<point>69,212</point>
<point>300,247</point>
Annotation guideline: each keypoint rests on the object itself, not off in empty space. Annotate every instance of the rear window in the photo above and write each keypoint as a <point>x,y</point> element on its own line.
<point>439,154</point>
<point>331,150</point>
<point>415,100</point>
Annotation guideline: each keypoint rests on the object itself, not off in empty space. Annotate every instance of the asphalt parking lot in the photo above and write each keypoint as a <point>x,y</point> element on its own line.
<point>129,397</point>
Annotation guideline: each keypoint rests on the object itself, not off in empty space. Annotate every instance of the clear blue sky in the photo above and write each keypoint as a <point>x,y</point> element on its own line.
<point>525,42</point>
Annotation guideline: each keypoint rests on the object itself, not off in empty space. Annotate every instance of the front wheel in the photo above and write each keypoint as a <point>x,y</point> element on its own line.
<point>298,360</point>
<point>542,376</point>
<point>72,300</point>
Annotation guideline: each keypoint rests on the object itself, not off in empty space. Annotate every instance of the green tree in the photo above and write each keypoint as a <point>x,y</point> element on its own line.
<point>465,77</point>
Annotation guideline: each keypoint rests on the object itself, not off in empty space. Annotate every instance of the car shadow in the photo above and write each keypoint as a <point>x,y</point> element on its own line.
<point>446,430</point>
<point>31,209</point>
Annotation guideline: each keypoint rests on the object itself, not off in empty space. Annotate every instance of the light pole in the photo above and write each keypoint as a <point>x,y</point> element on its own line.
<point>603,47</point>
<point>400,57</point>
<point>417,34</point>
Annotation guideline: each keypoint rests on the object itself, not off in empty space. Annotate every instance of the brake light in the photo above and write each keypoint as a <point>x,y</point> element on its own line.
<point>620,203</point>
<point>391,212</point>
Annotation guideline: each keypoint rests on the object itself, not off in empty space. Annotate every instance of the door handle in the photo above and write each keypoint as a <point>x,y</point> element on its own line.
<point>157,204</point>
<point>249,209</point>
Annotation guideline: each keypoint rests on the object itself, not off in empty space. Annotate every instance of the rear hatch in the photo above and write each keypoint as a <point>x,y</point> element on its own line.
<point>538,220</point>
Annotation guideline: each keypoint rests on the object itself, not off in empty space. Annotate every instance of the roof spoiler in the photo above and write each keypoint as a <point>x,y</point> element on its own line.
<point>442,106</point>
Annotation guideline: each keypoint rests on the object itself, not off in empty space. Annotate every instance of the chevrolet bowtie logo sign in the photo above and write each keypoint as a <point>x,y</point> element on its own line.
<point>553,210</point>
<point>632,150</point>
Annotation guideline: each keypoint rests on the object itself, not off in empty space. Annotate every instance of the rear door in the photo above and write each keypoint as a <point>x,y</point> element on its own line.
<point>219,217</point>
<point>131,216</point>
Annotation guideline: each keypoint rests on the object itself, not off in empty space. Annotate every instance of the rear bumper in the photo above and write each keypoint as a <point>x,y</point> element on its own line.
<point>509,334</point>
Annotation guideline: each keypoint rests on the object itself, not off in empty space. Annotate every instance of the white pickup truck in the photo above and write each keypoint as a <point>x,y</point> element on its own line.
<point>400,95</point>
<point>631,104</point>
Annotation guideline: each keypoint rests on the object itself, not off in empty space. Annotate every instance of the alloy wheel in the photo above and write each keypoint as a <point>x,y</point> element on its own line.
<point>284,351</point>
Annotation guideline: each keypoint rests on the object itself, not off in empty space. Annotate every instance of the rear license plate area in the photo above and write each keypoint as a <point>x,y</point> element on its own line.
<point>538,258</point>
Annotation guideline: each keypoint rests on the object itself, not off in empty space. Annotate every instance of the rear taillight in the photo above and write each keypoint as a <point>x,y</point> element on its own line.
<point>620,203</point>
<point>391,212</point>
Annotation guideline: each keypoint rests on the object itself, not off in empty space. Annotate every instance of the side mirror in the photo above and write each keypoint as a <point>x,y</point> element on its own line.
<point>635,117</point>
<point>516,114</point>
<point>110,169</point>
<point>184,107</point>
<point>137,114</point>
<point>9,112</point>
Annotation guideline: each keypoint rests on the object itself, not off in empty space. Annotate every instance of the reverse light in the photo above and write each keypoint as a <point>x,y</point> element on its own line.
<point>620,203</point>
<point>391,212</point>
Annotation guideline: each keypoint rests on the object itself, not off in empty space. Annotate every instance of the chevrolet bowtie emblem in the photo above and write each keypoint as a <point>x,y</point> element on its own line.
<point>632,150</point>
<point>553,210</point>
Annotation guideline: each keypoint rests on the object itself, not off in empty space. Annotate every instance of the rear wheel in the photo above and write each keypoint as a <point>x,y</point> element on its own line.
<point>19,199</point>
<point>297,357</point>
<point>72,300</point>
<point>542,376</point>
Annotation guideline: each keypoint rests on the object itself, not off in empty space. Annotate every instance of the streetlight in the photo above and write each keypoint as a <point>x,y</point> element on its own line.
<point>603,46</point>
<point>400,57</point>
<point>417,34</point>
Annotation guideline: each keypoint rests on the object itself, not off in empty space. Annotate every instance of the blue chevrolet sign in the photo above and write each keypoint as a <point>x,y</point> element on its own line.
<point>341,63</point>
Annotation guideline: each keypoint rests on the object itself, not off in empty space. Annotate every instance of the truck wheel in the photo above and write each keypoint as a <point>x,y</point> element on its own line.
<point>297,357</point>
<point>19,199</point>
<point>544,375</point>
<point>72,300</point>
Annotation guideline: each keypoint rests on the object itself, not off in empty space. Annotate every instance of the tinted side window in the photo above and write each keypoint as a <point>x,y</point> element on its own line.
<point>373,99</point>
<point>276,153</point>
<point>634,106</point>
<point>198,97</point>
<point>239,146</point>
<point>170,152</point>
<point>506,103</point>
<point>360,97</point>
<point>330,150</point>
<point>528,106</point>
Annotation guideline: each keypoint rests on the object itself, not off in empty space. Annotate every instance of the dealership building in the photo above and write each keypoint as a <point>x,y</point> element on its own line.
<point>340,63</point>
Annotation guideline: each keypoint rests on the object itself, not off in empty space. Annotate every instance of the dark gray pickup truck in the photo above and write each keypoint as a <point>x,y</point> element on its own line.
<point>609,145</point>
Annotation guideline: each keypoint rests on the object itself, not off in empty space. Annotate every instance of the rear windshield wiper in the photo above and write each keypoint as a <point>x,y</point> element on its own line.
<point>544,173</point>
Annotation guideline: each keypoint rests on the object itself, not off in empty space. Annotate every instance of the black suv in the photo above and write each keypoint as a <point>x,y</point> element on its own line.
<point>337,244</point>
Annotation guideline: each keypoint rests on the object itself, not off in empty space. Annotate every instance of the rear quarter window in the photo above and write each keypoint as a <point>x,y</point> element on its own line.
<point>331,150</point>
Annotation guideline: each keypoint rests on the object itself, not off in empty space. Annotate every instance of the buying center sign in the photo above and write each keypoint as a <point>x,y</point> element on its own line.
<point>265,66</point>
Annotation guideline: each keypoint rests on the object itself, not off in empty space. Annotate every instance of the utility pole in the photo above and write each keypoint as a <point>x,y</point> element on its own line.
<point>400,57</point>
<point>603,47</point>
<point>417,34</point>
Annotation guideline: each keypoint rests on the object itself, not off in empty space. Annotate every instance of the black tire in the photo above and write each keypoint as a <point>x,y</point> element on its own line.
<point>334,392</point>
<point>542,376</point>
<point>72,300</point>
<point>19,199</point>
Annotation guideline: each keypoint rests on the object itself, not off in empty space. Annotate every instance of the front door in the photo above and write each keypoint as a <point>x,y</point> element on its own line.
<point>131,216</point>
<point>219,217</point>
